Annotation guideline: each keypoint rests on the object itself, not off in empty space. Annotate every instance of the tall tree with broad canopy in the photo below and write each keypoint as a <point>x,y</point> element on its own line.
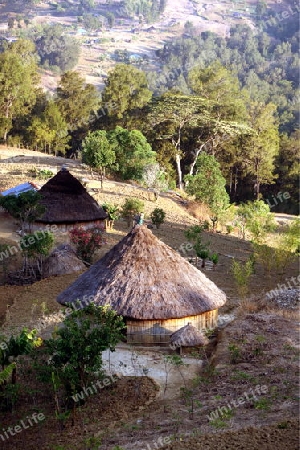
<point>218,85</point>
<point>97,152</point>
<point>173,115</point>
<point>126,89</point>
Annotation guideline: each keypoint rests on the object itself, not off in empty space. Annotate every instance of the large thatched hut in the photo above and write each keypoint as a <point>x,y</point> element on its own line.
<point>151,286</point>
<point>67,204</point>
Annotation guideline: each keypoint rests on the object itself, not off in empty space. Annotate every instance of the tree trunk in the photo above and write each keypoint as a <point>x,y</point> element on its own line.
<point>198,151</point>
<point>230,181</point>
<point>179,171</point>
<point>235,182</point>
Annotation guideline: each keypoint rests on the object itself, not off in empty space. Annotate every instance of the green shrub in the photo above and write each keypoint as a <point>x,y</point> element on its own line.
<point>112,212</point>
<point>241,273</point>
<point>130,208</point>
<point>158,216</point>
<point>41,174</point>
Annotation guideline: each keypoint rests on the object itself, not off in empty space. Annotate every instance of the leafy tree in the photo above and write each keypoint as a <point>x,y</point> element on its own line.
<point>49,131</point>
<point>263,146</point>
<point>57,49</point>
<point>287,165</point>
<point>76,100</point>
<point>110,19</point>
<point>130,208</point>
<point>35,247</point>
<point>91,22</point>
<point>18,82</point>
<point>158,217</point>
<point>132,150</point>
<point>133,94</point>
<point>181,118</point>
<point>55,122</point>
<point>218,85</point>
<point>97,152</point>
<point>150,10</point>
<point>87,4</point>
<point>291,238</point>
<point>264,68</point>
<point>11,22</point>
<point>41,134</point>
<point>154,176</point>
<point>208,184</point>
<point>25,207</point>
<point>76,349</point>
<point>169,116</point>
<point>256,218</point>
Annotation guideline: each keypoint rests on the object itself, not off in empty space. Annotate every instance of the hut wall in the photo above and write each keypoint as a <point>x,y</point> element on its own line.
<point>158,332</point>
<point>65,227</point>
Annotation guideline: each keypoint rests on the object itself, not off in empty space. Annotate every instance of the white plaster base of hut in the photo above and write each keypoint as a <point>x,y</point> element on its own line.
<point>125,361</point>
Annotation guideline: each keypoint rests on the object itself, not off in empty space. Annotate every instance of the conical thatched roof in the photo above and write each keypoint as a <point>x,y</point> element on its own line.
<point>143,278</point>
<point>188,336</point>
<point>67,201</point>
<point>61,261</point>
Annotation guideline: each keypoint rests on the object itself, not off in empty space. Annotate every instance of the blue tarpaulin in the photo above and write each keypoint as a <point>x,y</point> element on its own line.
<point>20,188</point>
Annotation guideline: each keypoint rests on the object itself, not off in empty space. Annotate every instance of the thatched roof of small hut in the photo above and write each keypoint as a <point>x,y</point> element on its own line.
<point>63,260</point>
<point>143,278</point>
<point>188,336</point>
<point>67,201</point>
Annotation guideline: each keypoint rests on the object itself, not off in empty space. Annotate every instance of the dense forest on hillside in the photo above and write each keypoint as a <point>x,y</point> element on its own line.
<point>234,98</point>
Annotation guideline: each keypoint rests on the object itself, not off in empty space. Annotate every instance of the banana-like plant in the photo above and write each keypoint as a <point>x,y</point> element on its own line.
<point>6,373</point>
<point>22,344</point>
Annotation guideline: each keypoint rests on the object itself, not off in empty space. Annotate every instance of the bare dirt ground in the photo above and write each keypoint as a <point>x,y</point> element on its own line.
<point>265,346</point>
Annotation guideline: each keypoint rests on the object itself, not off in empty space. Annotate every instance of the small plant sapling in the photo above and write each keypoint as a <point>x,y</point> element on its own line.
<point>241,273</point>
<point>158,217</point>
<point>130,208</point>
<point>214,259</point>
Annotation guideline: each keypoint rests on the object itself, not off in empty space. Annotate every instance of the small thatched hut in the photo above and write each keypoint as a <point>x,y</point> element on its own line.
<point>63,260</point>
<point>151,286</point>
<point>68,204</point>
<point>188,336</point>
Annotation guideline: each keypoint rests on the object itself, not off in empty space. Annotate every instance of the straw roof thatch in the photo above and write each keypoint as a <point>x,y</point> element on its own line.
<point>67,201</point>
<point>61,261</point>
<point>188,336</point>
<point>143,278</point>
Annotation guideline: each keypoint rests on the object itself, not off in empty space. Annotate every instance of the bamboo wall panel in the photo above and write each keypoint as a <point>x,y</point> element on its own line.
<point>159,331</point>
